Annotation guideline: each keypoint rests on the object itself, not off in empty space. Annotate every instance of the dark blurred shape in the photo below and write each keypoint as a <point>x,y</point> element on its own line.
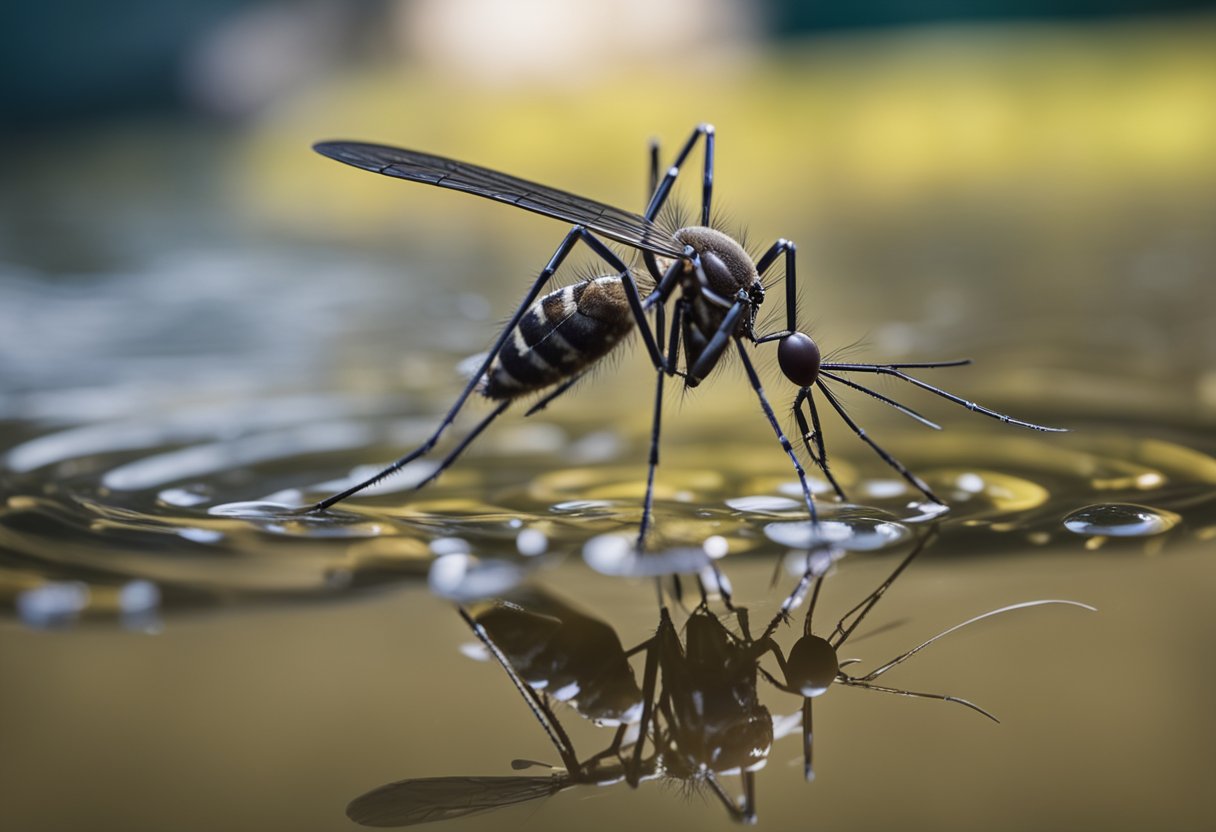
<point>793,17</point>
<point>77,58</point>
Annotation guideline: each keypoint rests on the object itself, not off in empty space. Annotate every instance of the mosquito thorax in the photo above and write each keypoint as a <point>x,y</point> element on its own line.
<point>799,357</point>
<point>811,666</point>
<point>726,264</point>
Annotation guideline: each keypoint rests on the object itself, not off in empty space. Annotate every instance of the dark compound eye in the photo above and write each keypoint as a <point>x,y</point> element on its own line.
<point>799,358</point>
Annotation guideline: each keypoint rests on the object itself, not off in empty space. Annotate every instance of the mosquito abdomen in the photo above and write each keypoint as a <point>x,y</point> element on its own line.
<point>563,333</point>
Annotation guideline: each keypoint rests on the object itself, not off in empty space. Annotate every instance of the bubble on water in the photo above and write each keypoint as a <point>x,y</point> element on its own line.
<point>465,577</point>
<point>764,503</point>
<point>858,534</point>
<point>184,497</point>
<point>52,603</point>
<point>138,597</point>
<point>794,488</point>
<point>531,542</point>
<point>923,510</point>
<point>970,482</point>
<point>716,546</point>
<point>585,507</point>
<point>615,555</point>
<point>252,510</point>
<point>1120,520</point>
<point>884,489</point>
<point>201,535</point>
<point>797,564</point>
<point>450,546</point>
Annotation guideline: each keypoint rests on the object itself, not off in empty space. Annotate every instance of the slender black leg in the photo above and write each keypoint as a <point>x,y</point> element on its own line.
<point>563,250</point>
<point>540,709</point>
<point>815,431</point>
<point>808,741</point>
<point>785,443</point>
<point>575,234</point>
<point>649,680</point>
<point>631,293</point>
<point>899,467</point>
<point>894,370</point>
<point>709,356</point>
<point>464,443</point>
<point>904,409</point>
<point>653,462</point>
<point>662,191</point>
<point>843,630</point>
<point>791,285</point>
<point>652,181</point>
<point>659,197</point>
<point>667,280</point>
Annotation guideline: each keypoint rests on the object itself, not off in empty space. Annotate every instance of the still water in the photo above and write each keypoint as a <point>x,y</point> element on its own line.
<point>182,652</point>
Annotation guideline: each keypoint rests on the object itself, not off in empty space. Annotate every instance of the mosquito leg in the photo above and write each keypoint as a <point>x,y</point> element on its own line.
<point>893,370</point>
<point>815,431</point>
<point>464,443</point>
<point>790,250</point>
<point>653,461</point>
<point>659,197</point>
<point>899,467</point>
<point>874,674</point>
<point>631,293</point>
<point>904,409</point>
<point>854,683</point>
<point>808,741</point>
<point>737,813</point>
<point>563,250</point>
<point>662,191</point>
<point>649,679</point>
<point>754,379</point>
<point>713,349</point>
<point>842,632</point>
<point>540,709</point>
<point>652,182</point>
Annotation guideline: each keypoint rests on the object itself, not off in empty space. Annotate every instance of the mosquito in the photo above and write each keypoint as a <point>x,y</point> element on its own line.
<point>813,664</point>
<point>551,341</point>
<point>572,646</point>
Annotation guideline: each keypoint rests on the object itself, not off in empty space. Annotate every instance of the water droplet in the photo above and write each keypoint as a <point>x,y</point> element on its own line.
<point>716,546</point>
<point>1120,520</point>
<point>52,603</point>
<point>138,597</point>
<point>531,542</point>
<point>764,503</point>
<point>859,534</point>
<point>184,497</point>
<point>465,577</point>
<point>613,554</point>
<point>450,546</point>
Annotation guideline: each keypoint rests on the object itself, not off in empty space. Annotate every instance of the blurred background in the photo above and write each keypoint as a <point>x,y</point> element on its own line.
<point>197,310</point>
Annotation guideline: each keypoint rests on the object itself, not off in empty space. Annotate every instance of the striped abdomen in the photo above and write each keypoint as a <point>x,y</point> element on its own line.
<point>562,334</point>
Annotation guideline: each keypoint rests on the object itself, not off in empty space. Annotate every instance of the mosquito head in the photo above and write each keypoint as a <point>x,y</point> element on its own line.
<point>812,666</point>
<point>799,357</point>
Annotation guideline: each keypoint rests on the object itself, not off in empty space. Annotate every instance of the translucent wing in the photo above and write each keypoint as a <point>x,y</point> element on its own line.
<point>614,223</point>
<point>428,799</point>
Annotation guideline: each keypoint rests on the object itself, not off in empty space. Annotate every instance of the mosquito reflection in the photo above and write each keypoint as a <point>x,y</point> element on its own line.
<point>698,717</point>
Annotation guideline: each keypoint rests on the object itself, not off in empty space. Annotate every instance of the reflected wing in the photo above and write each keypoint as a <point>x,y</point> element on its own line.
<point>427,799</point>
<point>622,226</point>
